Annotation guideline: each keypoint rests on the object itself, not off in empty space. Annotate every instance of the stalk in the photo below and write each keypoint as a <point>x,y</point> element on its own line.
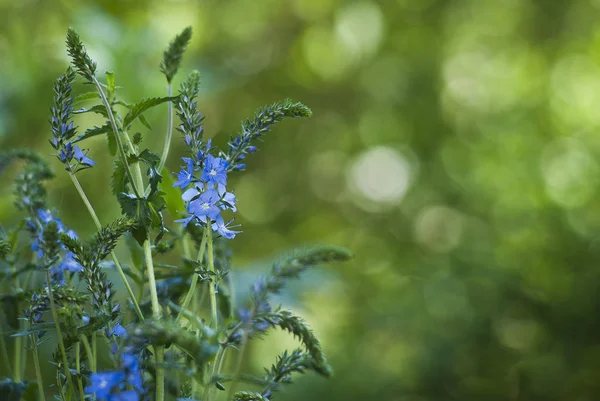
<point>5,357</point>
<point>192,289</point>
<point>61,344</point>
<point>38,371</point>
<point>92,212</point>
<point>90,356</point>
<point>167,146</point>
<point>212,288</point>
<point>78,369</point>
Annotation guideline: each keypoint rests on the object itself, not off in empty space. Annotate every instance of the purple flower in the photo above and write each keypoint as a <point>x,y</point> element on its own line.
<point>82,157</point>
<point>215,170</point>
<point>103,383</point>
<point>184,178</point>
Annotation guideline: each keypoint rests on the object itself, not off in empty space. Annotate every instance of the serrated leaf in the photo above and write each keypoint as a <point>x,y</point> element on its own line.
<point>139,210</point>
<point>145,122</point>
<point>98,109</point>
<point>136,252</point>
<point>151,160</point>
<point>137,109</point>
<point>94,131</point>
<point>118,179</point>
<point>86,96</point>
<point>172,197</point>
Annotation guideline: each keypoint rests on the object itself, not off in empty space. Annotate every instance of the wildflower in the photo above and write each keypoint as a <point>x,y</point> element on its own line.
<point>222,228</point>
<point>82,157</point>
<point>103,384</point>
<point>205,205</point>
<point>185,176</point>
<point>111,386</point>
<point>215,171</point>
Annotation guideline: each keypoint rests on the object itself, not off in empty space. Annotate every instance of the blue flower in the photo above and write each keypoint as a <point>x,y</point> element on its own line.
<point>82,157</point>
<point>222,228</point>
<point>129,395</point>
<point>131,366</point>
<point>205,205</point>
<point>69,263</point>
<point>215,170</point>
<point>103,384</point>
<point>185,176</point>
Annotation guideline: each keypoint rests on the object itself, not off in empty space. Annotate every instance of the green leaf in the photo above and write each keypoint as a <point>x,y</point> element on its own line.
<point>140,107</point>
<point>145,122</point>
<point>151,160</point>
<point>173,201</point>
<point>136,252</point>
<point>138,209</point>
<point>86,96</point>
<point>45,326</point>
<point>118,179</point>
<point>93,132</point>
<point>110,85</point>
<point>112,143</point>
<point>98,109</point>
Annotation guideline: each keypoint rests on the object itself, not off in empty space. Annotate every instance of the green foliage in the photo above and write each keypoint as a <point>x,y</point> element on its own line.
<point>298,327</point>
<point>159,333</point>
<point>94,131</point>
<point>172,56</point>
<point>172,196</point>
<point>248,396</point>
<point>137,109</point>
<point>79,57</point>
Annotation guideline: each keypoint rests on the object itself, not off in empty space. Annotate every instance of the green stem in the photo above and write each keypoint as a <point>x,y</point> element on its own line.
<point>118,138</point>
<point>192,289</point>
<point>38,371</point>
<point>212,287</point>
<point>92,213</point>
<point>240,358</point>
<point>58,332</point>
<point>17,359</point>
<point>5,357</point>
<point>210,389</point>
<point>90,355</point>
<point>165,153</point>
<point>78,368</point>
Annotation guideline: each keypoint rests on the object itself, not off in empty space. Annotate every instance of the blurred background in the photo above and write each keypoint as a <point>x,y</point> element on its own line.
<point>454,148</point>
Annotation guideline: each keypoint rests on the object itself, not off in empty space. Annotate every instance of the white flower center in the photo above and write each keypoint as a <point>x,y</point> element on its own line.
<point>213,172</point>
<point>205,206</point>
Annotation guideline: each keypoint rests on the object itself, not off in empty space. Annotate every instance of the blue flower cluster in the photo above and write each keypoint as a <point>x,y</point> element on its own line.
<point>125,384</point>
<point>67,262</point>
<point>208,196</point>
<point>63,129</point>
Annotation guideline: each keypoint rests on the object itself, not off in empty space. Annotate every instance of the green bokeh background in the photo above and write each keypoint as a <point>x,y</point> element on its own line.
<point>454,148</point>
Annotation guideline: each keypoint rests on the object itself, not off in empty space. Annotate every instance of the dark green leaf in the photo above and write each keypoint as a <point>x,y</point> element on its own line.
<point>145,122</point>
<point>138,108</point>
<point>98,109</point>
<point>138,209</point>
<point>136,252</point>
<point>93,132</point>
<point>118,180</point>
<point>86,96</point>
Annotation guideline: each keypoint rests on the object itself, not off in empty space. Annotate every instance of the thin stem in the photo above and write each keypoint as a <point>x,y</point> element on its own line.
<point>92,213</point>
<point>90,355</point>
<point>212,288</point>
<point>192,289</point>
<point>58,332</point>
<point>17,359</point>
<point>38,371</point>
<point>5,357</point>
<point>165,153</point>
<point>118,138</point>
<point>240,358</point>
<point>209,391</point>
<point>78,369</point>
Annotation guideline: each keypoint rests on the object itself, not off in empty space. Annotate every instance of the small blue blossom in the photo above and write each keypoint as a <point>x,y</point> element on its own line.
<point>205,205</point>
<point>185,176</point>
<point>215,171</point>
<point>104,383</point>
<point>222,228</point>
<point>69,263</point>
<point>82,157</point>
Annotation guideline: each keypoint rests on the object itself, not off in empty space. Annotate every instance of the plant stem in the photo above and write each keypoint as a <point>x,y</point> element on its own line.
<point>212,287</point>
<point>240,358</point>
<point>17,359</point>
<point>167,146</point>
<point>92,212</point>
<point>5,357</point>
<point>210,388</point>
<point>38,371</point>
<point>78,369</point>
<point>58,332</point>
<point>192,289</point>
<point>118,138</point>
<point>91,357</point>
